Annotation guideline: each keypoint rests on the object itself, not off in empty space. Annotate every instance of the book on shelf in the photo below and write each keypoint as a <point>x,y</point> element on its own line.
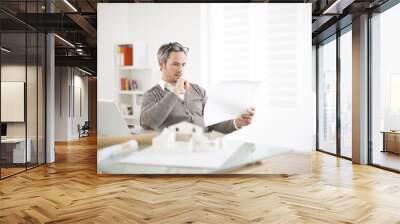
<point>125,55</point>
<point>128,84</point>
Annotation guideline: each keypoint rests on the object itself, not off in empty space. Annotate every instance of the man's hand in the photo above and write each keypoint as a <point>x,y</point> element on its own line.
<point>181,86</point>
<point>186,85</point>
<point>246,118</point>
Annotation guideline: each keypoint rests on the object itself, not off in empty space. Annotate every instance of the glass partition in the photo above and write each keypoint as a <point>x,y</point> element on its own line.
<point>32,59</point>
<point>41,87</point>
<point>327,96</point>
<point>385,90</point>
<point>22,77</point>
<point>32,95</point>
<point>14,153</point>
<point>346,94</point>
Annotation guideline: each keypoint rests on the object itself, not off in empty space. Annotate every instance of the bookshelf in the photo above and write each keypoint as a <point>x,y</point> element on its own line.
<point>134,78</point>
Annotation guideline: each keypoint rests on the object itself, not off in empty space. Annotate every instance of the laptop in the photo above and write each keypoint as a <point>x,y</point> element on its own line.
<point>110,121</point>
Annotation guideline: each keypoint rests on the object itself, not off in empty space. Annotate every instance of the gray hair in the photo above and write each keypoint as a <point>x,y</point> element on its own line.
<point>166,49</point>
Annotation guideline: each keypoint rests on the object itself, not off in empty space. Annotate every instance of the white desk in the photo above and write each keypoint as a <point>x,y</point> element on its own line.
<point>248,153</point>
<point>18,150</point>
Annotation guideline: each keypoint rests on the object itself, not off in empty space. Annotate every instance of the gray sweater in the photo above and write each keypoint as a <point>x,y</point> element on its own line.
<point>162,108</point>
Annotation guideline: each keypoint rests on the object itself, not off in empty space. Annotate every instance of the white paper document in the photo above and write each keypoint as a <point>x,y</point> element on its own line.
<point>229,99</point>
<point>154,157</point>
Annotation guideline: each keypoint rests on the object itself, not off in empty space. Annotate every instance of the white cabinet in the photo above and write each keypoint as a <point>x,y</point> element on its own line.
<point>16,146</point>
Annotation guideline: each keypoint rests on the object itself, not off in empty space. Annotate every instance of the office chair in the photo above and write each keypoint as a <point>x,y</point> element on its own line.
<point>84,130</point>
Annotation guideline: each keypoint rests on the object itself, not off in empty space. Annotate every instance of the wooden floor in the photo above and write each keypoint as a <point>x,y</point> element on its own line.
<point>70,191</point>
<point>387,159</point>
<point>5,172</point>
<point>10,171</point>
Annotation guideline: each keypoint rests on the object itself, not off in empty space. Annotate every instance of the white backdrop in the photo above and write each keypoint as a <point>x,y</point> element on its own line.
<point>266,42</point>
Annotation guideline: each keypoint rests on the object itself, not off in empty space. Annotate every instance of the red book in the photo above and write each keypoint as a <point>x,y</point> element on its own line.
<point>127,51</point>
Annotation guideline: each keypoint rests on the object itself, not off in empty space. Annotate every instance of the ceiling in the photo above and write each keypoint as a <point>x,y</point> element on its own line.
<point>76,22</point>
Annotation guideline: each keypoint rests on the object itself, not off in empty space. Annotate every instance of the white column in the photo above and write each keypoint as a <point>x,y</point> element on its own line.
<point>50,100</point>
<point>360,90</point>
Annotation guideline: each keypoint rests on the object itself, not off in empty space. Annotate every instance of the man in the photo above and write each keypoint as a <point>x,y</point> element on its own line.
<point>175,100</point>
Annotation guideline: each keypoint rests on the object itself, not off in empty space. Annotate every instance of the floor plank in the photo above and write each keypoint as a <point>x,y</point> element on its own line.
<point>70,191</point>
<point>387,159</point>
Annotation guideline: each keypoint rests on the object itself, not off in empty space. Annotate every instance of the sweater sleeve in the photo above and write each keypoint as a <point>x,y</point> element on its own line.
<point>153,112</point>
<point>224,127</point>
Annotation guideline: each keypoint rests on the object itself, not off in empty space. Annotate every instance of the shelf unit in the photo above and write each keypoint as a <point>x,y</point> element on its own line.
<point>128,67</point>
<point>130,93</point>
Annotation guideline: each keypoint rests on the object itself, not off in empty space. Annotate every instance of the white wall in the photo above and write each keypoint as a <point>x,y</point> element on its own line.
<point>287,107</point>
<point>61,103</point>
<point>280,54</point>
<point>163,23</point>
<point>65,119</point>
<point>82,83</point>
<point>314,87</point>
<point>170,22</point>
<point>112,29</point>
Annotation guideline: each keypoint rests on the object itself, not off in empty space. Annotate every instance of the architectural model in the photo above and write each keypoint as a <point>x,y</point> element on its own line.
<point>187,137</point>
